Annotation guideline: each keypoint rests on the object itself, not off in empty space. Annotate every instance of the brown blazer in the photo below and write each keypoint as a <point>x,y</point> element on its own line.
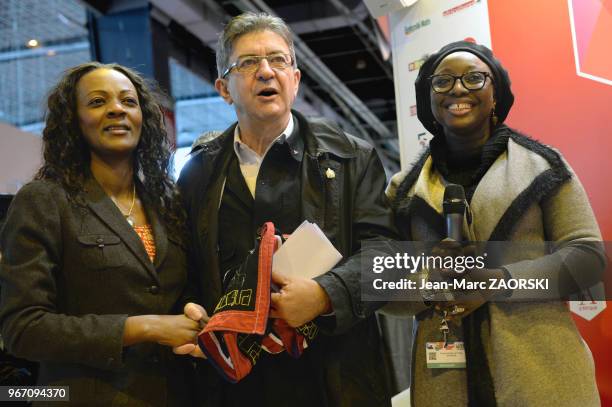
<point>70,276</point>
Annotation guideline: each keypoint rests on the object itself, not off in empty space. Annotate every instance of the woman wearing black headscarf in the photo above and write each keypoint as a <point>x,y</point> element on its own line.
<point>519,190</point>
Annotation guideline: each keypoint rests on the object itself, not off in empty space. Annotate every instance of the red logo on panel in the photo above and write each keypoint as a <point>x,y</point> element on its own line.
<point>591,22</point>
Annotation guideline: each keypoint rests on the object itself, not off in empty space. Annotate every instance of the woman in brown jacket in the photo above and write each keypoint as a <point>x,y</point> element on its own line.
<point>93,259</point>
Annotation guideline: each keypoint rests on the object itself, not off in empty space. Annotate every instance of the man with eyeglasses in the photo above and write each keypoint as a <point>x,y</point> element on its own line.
<point>276,165</point>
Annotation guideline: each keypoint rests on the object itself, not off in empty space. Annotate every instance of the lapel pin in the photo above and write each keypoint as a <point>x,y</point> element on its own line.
<point>330,174</point>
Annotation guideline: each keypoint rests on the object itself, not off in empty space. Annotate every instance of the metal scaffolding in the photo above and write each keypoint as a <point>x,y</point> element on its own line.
<point>28,69</point>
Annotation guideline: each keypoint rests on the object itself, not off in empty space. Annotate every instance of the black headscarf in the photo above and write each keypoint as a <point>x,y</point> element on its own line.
<point>503,94</point>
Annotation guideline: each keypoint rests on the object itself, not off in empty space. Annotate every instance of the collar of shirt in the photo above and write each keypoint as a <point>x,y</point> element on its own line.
<point>250,161</point>
<point>246,155</point>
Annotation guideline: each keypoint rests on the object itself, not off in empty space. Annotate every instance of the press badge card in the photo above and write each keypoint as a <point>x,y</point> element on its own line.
<point>441,357</point>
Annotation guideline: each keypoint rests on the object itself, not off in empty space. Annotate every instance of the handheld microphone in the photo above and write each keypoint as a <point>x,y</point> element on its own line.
<point>453,206</point>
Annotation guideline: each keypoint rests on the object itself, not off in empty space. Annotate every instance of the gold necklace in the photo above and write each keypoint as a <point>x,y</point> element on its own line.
<point>128,217</point>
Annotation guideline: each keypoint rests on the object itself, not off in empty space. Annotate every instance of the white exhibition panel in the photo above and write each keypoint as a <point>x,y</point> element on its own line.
<point>416,32</point>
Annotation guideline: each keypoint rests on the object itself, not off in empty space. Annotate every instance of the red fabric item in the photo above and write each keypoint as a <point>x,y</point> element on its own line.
<point>240,328</point>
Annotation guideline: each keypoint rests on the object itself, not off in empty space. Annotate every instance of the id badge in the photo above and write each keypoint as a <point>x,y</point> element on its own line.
<point>450,357</point>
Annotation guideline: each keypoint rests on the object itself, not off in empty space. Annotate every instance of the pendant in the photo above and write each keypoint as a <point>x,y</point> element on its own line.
<point>130,220</point>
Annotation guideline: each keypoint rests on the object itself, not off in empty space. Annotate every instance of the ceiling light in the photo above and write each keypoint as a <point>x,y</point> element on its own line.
<point>32,43</point>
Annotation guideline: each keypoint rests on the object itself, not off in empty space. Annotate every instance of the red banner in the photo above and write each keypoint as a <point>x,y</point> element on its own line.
<point>557,102</point>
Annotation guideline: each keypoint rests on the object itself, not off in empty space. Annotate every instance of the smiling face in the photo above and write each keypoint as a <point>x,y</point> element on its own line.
<point>109,113</point>
<point>461,112</point>
<point>267,94</point>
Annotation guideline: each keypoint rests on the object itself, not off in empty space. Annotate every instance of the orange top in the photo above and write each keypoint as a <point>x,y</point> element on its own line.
<point>146,235</point>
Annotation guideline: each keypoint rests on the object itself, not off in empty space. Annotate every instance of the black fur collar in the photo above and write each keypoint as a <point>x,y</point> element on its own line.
<point>542,187</point>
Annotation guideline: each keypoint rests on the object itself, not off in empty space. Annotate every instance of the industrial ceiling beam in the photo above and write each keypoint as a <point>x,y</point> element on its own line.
<point>365,34</point>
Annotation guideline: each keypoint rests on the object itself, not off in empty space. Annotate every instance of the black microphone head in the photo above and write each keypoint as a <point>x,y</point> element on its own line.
<point>454,199</point>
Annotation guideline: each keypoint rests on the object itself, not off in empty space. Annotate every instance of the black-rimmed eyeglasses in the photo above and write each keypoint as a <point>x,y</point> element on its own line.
<point>250,63</point>
<point>471,81</point>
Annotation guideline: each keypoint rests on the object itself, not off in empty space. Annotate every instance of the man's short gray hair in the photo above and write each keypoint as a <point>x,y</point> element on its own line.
<point>247,23</point>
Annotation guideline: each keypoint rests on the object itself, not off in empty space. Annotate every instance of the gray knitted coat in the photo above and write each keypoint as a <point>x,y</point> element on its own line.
<point>535,354</point>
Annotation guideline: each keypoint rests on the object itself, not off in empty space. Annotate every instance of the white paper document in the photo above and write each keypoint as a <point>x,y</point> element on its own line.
<point>306,253</point>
